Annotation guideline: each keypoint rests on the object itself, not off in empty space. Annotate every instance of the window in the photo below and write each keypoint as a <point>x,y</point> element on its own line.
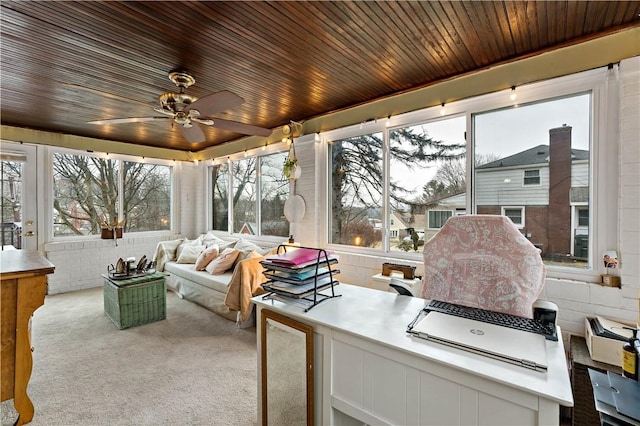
<point>356,191</point>
<point>426,167</point>
<point>437,218</point>
<point>11,170</point>
<point>220,198</point>
<point>531,177</point>
<point>516,214</point>
<point>258,191</point>
<point>533,158</point>
<point>583,217</point>
<point>554,136</point>
<point>90,191</point>
<point>244,196</point>
<point>274,191</point>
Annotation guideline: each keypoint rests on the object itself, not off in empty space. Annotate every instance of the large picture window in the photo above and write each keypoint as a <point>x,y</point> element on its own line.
<point>529,159</point>
<point>356,191</point>
<point>255,190</point>
<point>90,191</point>
<point>426,169</point>
<point>548,143</point>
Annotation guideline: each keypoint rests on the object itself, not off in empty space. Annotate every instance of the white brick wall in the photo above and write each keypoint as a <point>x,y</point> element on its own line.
<point>630,190</point>
<point>79,264</point>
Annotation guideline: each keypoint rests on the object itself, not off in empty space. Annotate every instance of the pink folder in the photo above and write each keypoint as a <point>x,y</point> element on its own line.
<point>298,257</point>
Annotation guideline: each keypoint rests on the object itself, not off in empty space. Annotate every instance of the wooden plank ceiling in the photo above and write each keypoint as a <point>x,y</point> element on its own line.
<point>67,63</point>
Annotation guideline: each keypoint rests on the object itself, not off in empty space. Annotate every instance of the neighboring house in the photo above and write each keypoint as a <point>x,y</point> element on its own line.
<point>401,222</point>
<point>441,210</point>
<point>248,228</point>
<point>544,191</point>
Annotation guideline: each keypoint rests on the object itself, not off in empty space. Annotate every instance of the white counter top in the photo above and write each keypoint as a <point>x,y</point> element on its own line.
<point>382,317</point>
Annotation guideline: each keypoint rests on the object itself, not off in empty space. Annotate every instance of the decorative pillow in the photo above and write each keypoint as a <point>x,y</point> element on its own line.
<point>210,238</point>
<point>207,256</point>
<point>223,262</point>
<point>165,252</point>
<point>247,247</point>
<point>190,253</point>
<point>187,242</point>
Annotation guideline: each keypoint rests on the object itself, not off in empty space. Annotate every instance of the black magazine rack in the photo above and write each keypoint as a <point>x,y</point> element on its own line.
<point>301,283</point>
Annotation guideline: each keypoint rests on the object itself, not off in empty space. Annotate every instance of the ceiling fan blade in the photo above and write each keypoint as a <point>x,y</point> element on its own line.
<point>128,120</point>
<point>245,129</point>
<point>193,134</point>
<point>216,102</point>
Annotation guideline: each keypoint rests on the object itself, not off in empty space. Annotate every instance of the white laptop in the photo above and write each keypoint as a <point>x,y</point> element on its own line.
<point>506,344</point>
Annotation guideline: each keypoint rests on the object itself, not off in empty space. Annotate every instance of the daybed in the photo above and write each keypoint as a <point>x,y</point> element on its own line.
<point>219,273</point>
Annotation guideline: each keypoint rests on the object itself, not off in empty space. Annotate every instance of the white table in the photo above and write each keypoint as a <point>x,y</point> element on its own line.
<point>369,369</point>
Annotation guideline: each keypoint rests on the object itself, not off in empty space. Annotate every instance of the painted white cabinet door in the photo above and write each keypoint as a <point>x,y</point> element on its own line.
<point>378,385</point>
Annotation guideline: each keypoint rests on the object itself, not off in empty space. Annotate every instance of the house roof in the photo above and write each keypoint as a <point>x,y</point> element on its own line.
<point>67,63</point>
<point>536,155</point>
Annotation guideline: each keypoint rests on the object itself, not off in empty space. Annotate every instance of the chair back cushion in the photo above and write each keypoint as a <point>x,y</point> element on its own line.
<point>483,261</point>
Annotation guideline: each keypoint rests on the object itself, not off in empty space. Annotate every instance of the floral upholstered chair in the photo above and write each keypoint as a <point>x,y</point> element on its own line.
<point>483,261</point>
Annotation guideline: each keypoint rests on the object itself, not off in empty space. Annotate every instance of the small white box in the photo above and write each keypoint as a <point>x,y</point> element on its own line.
<point>603,349</point>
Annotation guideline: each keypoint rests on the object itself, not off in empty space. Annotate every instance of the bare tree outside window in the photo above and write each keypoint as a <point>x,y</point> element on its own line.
<point>357,184</point>
<point>274,191</point>
<point>86,192</point>
<point>244,195</point>
<point>220,197</point>
<point>11,208</point>
<point>257,195</point>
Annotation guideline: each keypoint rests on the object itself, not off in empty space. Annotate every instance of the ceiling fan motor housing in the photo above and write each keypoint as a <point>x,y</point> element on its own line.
<point>175,102</point>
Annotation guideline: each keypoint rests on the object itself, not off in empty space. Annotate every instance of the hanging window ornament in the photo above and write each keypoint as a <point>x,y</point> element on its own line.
<point>291,169</point>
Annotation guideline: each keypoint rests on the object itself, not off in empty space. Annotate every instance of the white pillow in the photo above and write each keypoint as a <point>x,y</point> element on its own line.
<point>223,262</point>
<point>211,238</point>
<point>207,256</point>
<point>247,246</point>
<point>187,242</point>
<point>190,253</point>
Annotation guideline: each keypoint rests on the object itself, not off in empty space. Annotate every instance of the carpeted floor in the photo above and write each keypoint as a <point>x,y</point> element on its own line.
<point>194,368</point>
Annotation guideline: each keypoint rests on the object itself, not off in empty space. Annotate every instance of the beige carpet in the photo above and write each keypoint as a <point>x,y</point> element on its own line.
<point>194,368</point>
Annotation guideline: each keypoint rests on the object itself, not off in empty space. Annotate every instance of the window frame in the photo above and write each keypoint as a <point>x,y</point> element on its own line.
<point>601,83</point>
<point>452,212</point>
<point>276,148</point>
<point>522,209</point>
<point>49,153</point>
<point>525,177</point>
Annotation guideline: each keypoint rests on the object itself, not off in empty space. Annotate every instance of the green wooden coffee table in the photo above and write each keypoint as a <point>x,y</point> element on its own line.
<point>135,301</point>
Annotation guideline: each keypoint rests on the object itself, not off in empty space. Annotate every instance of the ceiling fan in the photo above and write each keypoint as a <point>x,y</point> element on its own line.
<point>186,110</point>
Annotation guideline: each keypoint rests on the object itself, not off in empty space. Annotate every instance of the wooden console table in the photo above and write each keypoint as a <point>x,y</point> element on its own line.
<point>23,285</point>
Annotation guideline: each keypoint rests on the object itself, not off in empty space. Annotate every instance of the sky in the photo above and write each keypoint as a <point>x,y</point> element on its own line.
<point>508,131</point>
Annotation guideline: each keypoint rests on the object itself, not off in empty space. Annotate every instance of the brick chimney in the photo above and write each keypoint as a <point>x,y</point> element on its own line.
<point>559,231</point>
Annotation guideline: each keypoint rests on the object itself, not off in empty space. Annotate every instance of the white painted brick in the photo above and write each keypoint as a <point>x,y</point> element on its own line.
<point>617,314</point>
<point>607,296</point>
<point>630,246</point>
<point>565,289</point>
<point>631,291</point>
